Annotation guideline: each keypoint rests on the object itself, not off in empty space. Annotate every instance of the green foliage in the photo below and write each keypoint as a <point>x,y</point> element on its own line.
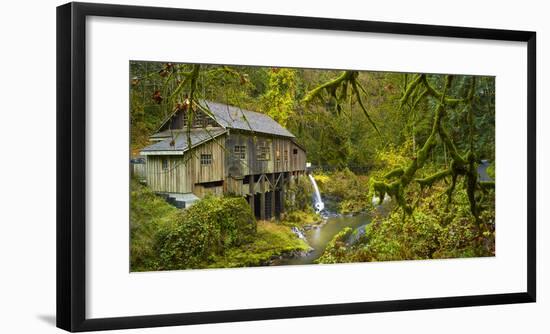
<point>419,137</point>
<point>216,232</point>
<point>280,97</point>
<point>272,240</point>
<point>300,218</point>
<point>208,228</point>
<point>148,214</point>
<point>298,195</point>
<point>491,170</point>
<point>337,249</point>
<point>346,188</point>
<point>435,230</point>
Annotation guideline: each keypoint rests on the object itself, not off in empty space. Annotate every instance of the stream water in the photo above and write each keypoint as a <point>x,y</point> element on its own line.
<point>318,237</point>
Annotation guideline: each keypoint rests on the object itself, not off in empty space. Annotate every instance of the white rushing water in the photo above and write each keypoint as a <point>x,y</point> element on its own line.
<point>318,205</point>
<point>299,233</point>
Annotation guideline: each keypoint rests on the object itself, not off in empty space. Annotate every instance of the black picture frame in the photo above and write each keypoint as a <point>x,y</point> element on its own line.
<point>71,167</point>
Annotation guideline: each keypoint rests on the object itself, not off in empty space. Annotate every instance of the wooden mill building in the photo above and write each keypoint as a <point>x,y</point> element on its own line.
<point>228,150</point>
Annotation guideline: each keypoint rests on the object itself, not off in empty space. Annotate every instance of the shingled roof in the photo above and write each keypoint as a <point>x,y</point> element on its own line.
<point>231,117</point>
<point>180,142</point>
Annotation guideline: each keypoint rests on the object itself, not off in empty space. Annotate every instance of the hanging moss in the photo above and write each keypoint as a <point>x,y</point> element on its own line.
<point>433,92</point>
<point>396,188</point>
<point>410,88</point>
<point>347,78</point>
<point>328,86</point>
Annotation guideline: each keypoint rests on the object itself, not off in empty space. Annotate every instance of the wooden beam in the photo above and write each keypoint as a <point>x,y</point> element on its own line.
<point>262,197</point>
<point>251,193</point>
<point>273,195</point>
<point>282,192</point>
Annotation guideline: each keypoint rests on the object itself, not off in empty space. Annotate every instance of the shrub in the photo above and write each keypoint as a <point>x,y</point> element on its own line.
<point>435,230</point>
<point>299,195</point>
<point>206,229</point>
<point>148,214</point>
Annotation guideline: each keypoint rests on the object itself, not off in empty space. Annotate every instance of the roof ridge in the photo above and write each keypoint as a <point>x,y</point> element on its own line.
<point>240,108</point>
<point>249,120</point>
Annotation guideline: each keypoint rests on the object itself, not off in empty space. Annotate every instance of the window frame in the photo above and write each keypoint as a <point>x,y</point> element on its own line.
<point>206,159</point>
<point>263,152</point>
<point>239,152</point>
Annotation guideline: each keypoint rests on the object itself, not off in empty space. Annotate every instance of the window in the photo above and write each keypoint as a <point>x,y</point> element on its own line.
<point>164,164</point>
<point>239,152</point>
<point>295,151</point>
<point>277,159</point>
<point>206,159</point>
<point>263,153</point>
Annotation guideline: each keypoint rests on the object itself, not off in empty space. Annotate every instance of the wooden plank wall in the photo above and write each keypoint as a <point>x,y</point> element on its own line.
<point>236,167</point>
<point>185,171</point>
<point>214,171</point>
<point>176,179</point>
<point>282,157</point>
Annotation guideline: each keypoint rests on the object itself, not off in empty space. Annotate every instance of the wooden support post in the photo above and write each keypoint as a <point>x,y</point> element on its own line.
<point>262,197</point>
<point>282,192</point>
<point>252,193</point>
<point>272,195</point>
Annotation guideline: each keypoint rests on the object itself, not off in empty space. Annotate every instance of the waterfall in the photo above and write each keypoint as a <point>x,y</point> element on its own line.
<point>318,205</point>
<point>298,233</point>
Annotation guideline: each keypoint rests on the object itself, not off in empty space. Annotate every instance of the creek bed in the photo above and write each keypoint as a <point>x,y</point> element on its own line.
<point>318,237</point>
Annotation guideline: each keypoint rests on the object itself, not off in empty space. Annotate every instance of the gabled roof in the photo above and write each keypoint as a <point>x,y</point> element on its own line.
<point>231,117</point>
<point>180,142</point>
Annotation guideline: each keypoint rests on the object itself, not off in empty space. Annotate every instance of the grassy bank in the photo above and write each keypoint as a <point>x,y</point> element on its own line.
<point>272,240</point>
<point>216,232</point>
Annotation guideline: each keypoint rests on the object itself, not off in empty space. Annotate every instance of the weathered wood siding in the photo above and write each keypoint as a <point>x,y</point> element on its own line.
<point>183,172</point>
<point>176,178</point>
<point>288,156</point>
<point>180,120</point>
<point>297,158</point>
<point>235,166</point>
<point>186,173</point>
<point>214,171</point>
<point>284,155</point>
<point>236,186</point>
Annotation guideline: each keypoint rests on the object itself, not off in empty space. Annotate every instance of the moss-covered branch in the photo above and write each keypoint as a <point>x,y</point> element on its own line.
<point>396,189</point>
<point>347,78</point>
<point>433,92</point>
<point>410,88</point>
<point>430,180</point>
<point>360,100</point>
<point>397,172</point>
<point>329,86</point>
